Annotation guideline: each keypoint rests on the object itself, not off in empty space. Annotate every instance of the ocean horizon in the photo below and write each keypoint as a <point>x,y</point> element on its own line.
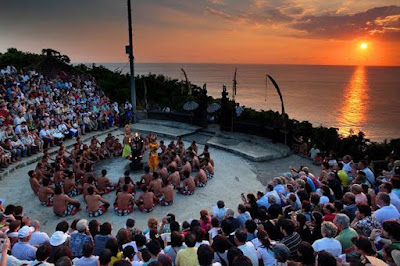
<point>351,98</point>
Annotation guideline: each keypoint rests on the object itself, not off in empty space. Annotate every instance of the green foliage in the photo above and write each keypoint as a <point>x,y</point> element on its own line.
<point>18,58</point>
<point>57,55</point>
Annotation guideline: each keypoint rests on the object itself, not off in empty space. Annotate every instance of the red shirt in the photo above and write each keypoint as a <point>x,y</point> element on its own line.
<point>329,217</point>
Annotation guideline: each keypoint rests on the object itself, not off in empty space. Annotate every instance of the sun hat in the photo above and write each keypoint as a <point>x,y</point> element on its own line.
<point>58,238</point>
<point>81,225</point>
<point>25,231</point>
<point>281,251</point>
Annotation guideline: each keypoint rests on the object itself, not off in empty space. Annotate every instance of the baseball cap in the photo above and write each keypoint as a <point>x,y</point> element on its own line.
<point>25,231</point>
<point>58,238</point>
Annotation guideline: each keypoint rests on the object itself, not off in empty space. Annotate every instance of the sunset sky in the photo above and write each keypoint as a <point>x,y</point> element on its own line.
<point>215,31</point>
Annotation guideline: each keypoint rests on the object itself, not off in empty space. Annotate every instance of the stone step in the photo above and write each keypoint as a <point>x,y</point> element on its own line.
<point>250,147</point>
<point>172,124</point>
<point>167,131</point>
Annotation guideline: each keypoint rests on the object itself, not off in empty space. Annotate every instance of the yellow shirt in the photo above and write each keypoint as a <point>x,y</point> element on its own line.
<point>187,257</point>
<point>343,178</point>
<point>115,259</point>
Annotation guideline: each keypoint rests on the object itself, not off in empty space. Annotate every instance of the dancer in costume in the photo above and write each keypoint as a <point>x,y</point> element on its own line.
<point>153,156</point>
<point>127,151</point>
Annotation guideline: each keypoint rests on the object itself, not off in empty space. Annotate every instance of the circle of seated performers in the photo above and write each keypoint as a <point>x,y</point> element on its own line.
<point>58,181</point>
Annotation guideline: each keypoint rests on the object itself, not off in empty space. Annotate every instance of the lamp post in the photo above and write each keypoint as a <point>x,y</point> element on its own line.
<point>129,50</point>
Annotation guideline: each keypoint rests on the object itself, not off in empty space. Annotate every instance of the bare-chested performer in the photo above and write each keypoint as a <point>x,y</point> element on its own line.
<point>164,150</point>
<point>59,177</point>
<point>46,193</point>
<point>146,200</point>
<point>174,178</point>
<point>187,167</point>
<point>124,202</point>
<point>162,171</point>
<point>194,147</point>
<point>126,180</point>
<point>33,181</point>
<point>209,169</point>
<point>109,140</point>
<point>104,184</point>
<point>64,205</point>
<point>103,151</point>
<point>188,185</point>
<point>172,164</point>
<point>196,163</point>
<point>87,185</point>
<point>201,178</point>
<point>117,148</point>
<point>146,178</point>
<point>156,185</point>
<point>79,174</point>
<point>76,163</point>
<point>207,158</point>
<point>93,208</point>
<point>167,194</point>
<point>70,187</point>
<point>42,172</point>
<point>89,173</point>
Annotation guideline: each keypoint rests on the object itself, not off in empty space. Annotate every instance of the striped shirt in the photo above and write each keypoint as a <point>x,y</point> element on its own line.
<point>292,242</point>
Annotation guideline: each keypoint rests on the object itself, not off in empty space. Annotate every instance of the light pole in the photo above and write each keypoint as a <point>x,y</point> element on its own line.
<point>131,63</point>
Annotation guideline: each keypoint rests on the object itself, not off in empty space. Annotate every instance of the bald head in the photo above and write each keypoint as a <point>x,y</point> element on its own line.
<point>229,213</point>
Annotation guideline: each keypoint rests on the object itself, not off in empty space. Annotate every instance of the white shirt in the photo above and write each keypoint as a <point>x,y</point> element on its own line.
<point>370,175</point>
<point>347,168</point>
<point>85,261</point>
<point>213,232</point>
<point>249,251</point>
<point>39,238</point>
<point>198,244</point>
<point>386,213</point>
<point>266,255</point>
<point>394,200</point>
<point>330,245</point>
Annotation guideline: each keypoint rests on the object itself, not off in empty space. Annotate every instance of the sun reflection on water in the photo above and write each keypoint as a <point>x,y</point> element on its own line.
<point>355,104</point>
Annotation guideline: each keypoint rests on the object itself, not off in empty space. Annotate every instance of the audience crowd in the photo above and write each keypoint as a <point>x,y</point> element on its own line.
<point>37,112</point>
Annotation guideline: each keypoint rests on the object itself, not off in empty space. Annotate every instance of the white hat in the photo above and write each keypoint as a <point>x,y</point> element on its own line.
<point>25,231</point>
<point>323,200</point>
<point>81,225</point>
<point>58,238</point>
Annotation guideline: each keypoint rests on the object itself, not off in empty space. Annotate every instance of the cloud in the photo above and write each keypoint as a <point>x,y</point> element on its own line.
<point>219,13</point>
<point>217,2</point>
<point>266,15</point>
<point>381,22</point>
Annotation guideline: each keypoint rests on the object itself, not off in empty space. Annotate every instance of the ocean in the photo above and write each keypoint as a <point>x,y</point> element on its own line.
<point>351,98</point>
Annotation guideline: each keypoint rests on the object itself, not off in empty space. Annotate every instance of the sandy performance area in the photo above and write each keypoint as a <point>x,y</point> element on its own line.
<point>233,175</point>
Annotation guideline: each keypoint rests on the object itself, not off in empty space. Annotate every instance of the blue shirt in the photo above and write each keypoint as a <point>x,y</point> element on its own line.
<point>76,243</point>
<point>24,251</point>
<point>242,218</point>
<point>311,183</point>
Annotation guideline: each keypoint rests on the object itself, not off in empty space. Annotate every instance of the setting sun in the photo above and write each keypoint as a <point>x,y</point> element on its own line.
<point>363,46</point>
